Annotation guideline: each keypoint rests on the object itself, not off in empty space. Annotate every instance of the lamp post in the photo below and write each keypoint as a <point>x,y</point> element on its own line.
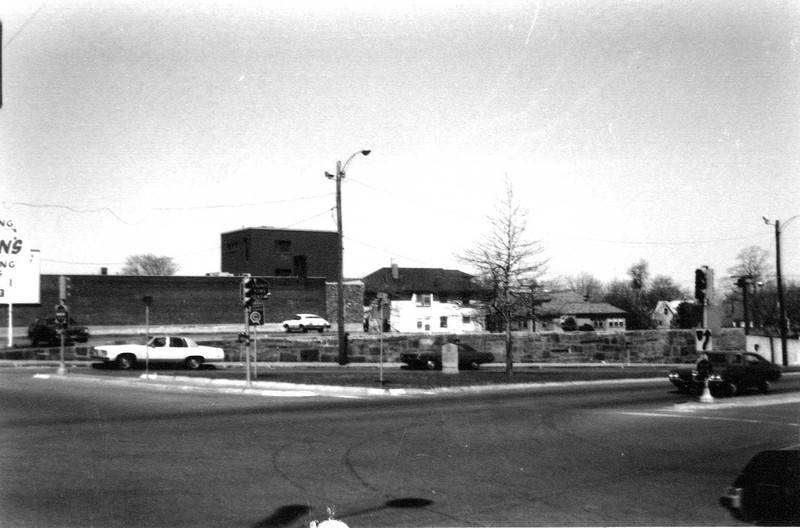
<point>147,300</point>
<point>340,173</point>
<point>781,302</point>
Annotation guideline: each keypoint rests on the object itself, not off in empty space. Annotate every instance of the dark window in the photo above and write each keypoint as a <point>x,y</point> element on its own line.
<point>284,272</point>
<point>300,266</point>
<point>443,322</point>
<point>283,246</point>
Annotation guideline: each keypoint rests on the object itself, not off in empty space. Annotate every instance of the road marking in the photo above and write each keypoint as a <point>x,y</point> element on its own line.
<point>711,418</point>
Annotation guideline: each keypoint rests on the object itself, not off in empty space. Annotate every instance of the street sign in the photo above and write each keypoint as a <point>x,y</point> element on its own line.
<point>254,289</point>
<point>256,317</point>
<point>703,340</point>
<point>62,314</point>
<point>260,288</point>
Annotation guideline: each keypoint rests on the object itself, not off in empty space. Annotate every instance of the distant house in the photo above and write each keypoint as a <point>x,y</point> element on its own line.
<point>552,315</point>
<point>664,312</point>
<point>430,300</point>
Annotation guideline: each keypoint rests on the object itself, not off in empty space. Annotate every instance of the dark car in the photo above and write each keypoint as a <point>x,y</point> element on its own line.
<point>767,491</point>
<point>468,358</point>
<point>731,372</point>
<point>46,332</point>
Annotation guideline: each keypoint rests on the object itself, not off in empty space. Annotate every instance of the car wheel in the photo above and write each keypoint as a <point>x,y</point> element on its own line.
<point>764,386</point>
<point>732,389</point>
<point>126,361</point>
<point>303,329</point>
<point>194,362</point>
<point>474,365</point>
<point>286,327</point>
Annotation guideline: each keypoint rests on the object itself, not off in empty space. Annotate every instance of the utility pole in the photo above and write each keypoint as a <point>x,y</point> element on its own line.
<point>340,173</point>
<point>781,302</point>
<point>343,359</point>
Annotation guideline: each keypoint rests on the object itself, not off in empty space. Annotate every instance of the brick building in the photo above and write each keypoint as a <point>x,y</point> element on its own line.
<point>281,252</point>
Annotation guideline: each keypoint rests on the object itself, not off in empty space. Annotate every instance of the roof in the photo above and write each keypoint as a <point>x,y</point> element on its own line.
<point>571,303</point>
<point>672,305</point>
<point>414,280</point>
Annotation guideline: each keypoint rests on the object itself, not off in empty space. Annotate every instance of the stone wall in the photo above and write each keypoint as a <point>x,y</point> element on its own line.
<point>646,346</point>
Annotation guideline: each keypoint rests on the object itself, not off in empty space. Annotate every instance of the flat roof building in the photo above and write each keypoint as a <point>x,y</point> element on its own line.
<point>266,251</point>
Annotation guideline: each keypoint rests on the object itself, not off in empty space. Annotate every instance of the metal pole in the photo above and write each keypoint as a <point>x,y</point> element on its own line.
<point>247,345</point>
<point>745,287</point>
<point>343,360</point>
<point>62,366</point>
<point>255,352</point>
<point>781,303</point>
<point>10,325</point>
<point>147,341</point>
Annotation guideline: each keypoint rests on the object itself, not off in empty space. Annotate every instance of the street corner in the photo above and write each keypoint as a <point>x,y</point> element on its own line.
<point>755,400</point>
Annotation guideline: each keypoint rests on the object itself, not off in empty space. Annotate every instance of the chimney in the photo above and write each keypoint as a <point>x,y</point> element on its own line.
<point>103,271</point>
<point>395,271</point>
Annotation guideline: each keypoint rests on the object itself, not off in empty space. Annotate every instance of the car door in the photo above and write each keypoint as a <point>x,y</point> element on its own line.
<point>158,348</point>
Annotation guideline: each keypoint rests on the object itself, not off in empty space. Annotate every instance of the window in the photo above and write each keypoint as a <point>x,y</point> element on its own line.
<point>443,321</point>
<point>283,246</point>
<point>465,319</point>
<point>419,325</point>
<point>424,300</point>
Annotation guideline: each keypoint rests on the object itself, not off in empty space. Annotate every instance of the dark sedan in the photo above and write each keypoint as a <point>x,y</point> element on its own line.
<point>46,332</point>
<point>468,358</point>
<point>767,491</point>
<point>730,373</point>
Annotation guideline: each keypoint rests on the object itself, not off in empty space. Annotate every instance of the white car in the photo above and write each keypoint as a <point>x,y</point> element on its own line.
<point>160,349</point>
<point>306,322</point>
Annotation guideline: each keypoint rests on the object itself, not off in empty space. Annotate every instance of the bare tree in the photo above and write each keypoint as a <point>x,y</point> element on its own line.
<point>585,284</point>
<point>504,261</point>
<point>752,261</point>
<point>639,274</point>
<point>149,264</point>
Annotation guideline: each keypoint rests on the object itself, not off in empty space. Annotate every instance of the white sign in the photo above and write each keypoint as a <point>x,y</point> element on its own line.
<point>702,340</point>
<point>19,266</point>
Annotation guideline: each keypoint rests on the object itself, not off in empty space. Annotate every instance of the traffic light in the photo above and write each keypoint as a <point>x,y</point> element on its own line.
<point>700,284</point>
<point>64,287</point>
<point>248,293</point>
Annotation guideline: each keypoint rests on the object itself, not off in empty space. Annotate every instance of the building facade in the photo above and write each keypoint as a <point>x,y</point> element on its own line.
<point>425,300</point>
<point>265,251</point>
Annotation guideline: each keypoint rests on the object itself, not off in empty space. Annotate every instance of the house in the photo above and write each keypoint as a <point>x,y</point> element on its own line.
<point>664,312</point>
<point>563,306</point>
<point>431,300</point>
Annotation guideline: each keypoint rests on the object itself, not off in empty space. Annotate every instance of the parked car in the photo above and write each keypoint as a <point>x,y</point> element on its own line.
<point>731,372</point>
<point>47,332</point>
<point>468,358</point>
<point>305,322</point>
<point>767,491</point>
<point>160,349</point>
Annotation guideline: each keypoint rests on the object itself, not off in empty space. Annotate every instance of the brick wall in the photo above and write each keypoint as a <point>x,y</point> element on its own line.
<point>99,300</point>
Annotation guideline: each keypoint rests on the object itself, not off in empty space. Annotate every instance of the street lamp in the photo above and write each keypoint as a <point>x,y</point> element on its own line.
<point>781,302</point>
<point>340,173</point>
<point>147,300</point>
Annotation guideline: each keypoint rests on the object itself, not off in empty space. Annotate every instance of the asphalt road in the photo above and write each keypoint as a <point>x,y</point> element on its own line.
<point>104,455</point>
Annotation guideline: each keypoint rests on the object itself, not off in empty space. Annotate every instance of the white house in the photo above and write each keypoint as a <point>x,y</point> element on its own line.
<point>664,312</point>
<point>427,300</point>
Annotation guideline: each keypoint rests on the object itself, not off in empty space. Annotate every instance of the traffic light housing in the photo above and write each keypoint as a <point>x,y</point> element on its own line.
<point>248,293</point>
<point>700,284</point>
<point>64,288</point>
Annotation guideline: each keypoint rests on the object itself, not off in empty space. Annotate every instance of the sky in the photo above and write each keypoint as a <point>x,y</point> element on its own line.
<point>629,130</point>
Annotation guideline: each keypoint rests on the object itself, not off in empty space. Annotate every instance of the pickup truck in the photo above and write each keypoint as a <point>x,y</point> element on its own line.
<point>731,372</point>
<point>160,349</point>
